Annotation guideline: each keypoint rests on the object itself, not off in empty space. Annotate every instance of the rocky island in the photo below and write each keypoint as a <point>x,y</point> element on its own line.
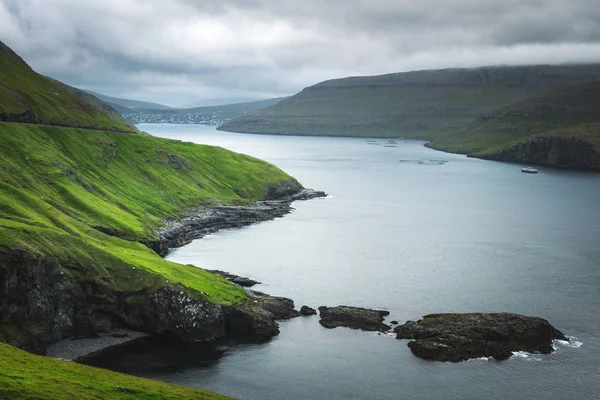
<point>459,337</point>
<point>353,317</point>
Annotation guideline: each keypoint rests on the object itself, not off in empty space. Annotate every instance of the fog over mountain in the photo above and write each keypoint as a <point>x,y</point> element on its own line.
<point>183,51</point>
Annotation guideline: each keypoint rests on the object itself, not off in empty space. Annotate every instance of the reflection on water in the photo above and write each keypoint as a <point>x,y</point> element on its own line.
<point>163,355</point>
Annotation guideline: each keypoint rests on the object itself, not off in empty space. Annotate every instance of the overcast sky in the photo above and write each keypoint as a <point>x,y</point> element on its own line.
<point>179,51</point>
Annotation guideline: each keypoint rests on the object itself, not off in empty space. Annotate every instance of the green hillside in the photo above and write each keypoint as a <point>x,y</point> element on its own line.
<point>28,97</point>
<point>96,102</point>
<point>77,206</point>
<point>559,128</point>
<point>25,376</point>
<point>62,188</point>
<point>420,104</point>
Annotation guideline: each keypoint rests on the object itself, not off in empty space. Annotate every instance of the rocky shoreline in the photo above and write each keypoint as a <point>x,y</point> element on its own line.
<point>202,221</point>
<point>190,318</point>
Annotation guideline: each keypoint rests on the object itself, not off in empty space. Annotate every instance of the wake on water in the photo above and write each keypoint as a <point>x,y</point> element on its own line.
<point>556,344</point>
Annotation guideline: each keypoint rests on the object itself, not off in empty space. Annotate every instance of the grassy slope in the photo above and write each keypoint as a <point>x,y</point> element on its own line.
<point>421,104</point>
<point>570,111</point>
<point>96,102</point>
<point>376,112</point>
<point>25,376</point>
<point>57,184</point>
<point>484,137</point>
<point>26,96</point>
<point>61,188</point>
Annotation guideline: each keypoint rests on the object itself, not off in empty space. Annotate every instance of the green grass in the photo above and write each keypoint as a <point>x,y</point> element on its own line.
<point>61,188</point>
<point>85,199</point>
<point>25,376</point>
<point>491,136</point>
<point>26,96</point>
<point>570,111</point>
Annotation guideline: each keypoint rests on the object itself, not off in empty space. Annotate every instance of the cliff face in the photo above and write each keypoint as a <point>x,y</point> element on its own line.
<point>40,305</point>
<point>582,100</point>
<point>556,151</point>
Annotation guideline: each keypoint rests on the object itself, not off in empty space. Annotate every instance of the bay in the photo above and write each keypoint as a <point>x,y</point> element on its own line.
<point>413,231</point>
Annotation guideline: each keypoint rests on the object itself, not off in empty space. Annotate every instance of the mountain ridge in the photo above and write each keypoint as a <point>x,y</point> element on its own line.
<point>419,104</point>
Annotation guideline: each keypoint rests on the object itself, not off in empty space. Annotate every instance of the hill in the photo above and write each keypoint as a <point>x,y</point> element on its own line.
<point>128,103</point>
<point>27,97</point>
<point>211,115</point>
<point>96,102</point>
<point>558,128</point>
<point>80,211</point>
<point>419,104</point>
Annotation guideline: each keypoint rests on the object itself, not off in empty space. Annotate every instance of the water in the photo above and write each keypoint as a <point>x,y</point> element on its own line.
<point>452,235</point>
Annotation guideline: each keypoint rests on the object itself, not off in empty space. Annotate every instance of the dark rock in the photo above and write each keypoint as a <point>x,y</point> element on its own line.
<point>393,322</point>
<point>202,221</point>
<point>42,305</point>
<point>279,307</point>
<point>353,317</point>
<point>238,280</point>
<point>555,151</point>
<point>306,310</point>
<point>250,323</point>
<point>459,337</point>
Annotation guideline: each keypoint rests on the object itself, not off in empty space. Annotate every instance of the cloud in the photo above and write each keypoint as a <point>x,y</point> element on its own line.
<point>178,51</point>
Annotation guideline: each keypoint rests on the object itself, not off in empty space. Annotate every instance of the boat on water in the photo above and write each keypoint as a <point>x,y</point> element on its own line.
<point>529,170</point>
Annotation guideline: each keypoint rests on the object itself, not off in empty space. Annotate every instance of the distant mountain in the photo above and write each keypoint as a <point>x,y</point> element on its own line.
<point>211,115</point>
<point>130,103</point>
<point>419,104</point>
<point>27,97</point>
<point>558,128</point>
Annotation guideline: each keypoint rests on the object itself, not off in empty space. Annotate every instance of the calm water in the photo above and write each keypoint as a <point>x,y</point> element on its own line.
<point>467,235</point>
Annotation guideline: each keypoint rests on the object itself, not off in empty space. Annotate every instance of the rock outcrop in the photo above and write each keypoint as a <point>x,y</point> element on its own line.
<point>306,311</point>
<point>459,337</point>
<point>279,307</point>
<point>353,317</point>
<point>202,221</point>
<point>238,280</point>
<point>40,304</point>
<point>556,151</point>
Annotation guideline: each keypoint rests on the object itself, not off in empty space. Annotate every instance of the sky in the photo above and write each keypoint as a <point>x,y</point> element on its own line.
<point>183,52</point>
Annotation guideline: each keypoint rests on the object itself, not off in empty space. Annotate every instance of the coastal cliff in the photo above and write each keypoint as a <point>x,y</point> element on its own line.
<point>551,150</point>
